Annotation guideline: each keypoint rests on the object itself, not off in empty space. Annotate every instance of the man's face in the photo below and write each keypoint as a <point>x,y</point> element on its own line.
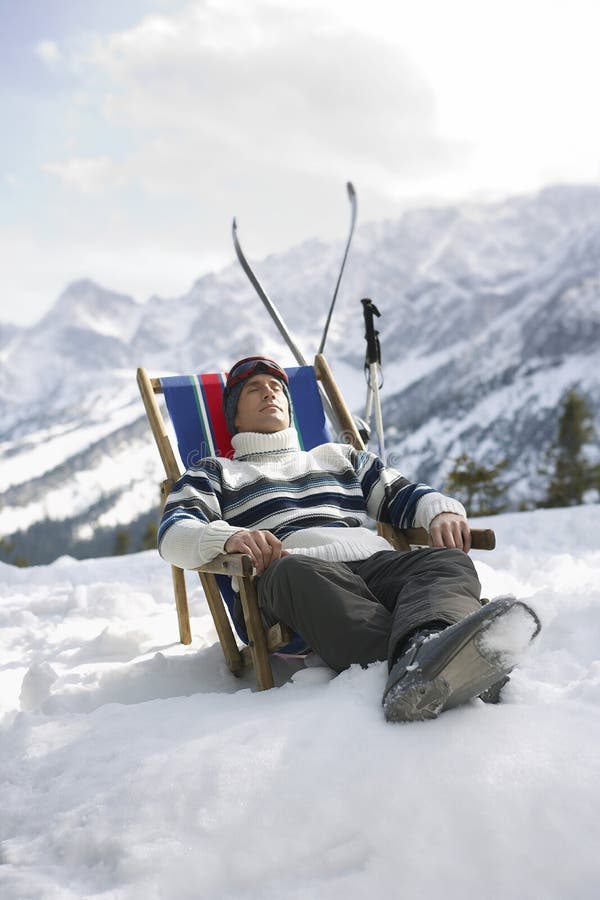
<point>262,406</point>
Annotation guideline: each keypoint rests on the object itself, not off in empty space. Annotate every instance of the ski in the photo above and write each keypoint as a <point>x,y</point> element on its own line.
<point>274,313</point>
<point>353,207</point>
<point>283,329</point>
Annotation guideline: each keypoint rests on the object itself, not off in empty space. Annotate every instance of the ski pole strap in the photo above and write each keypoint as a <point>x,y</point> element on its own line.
<point>371,334</point>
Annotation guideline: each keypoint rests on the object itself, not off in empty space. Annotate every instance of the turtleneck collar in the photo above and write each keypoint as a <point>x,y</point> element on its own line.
<point>253,443</point>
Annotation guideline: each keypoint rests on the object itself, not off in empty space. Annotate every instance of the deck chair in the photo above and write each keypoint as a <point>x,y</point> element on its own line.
<point>194,407</point>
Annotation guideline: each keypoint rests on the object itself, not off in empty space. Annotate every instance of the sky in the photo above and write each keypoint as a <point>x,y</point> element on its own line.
<point>134,132</point>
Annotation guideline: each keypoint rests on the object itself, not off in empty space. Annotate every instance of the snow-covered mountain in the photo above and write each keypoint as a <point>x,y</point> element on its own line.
<point>488,314</point>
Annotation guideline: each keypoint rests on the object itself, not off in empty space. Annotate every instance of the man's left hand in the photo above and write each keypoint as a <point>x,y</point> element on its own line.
<point>450,530</point>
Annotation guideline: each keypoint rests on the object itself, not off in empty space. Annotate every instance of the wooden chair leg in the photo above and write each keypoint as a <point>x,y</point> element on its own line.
<point>256,634</point>
<point>232,654</point>
<point>181,602</point>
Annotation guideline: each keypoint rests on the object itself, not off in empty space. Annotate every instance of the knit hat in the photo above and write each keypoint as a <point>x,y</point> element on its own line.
<point>238,375</point>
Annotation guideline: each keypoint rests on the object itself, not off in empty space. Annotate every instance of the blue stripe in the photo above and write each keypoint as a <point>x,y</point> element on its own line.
<point>198,479</point>
<point>315,521</point>
<point>308,408</point>
<point>176,516</point>
<point>264,486</point>
<point>371,476</point>
<point>193,503</point>
<point>404,505</point>
<point>180,398</point>
<point>287,506</point>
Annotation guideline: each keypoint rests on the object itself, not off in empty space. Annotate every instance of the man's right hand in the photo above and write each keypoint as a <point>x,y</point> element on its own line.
<point>262,546</point>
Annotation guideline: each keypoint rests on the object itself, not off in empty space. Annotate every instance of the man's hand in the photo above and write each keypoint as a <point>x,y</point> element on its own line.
<point>450,530</point>
<point>263,547</point>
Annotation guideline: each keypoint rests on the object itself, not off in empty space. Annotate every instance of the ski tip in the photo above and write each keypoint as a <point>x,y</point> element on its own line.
<point>350,189</point>
<point>234,225</point>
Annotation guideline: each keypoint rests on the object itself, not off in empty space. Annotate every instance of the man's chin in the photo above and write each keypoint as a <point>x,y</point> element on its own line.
<point>271,426</point>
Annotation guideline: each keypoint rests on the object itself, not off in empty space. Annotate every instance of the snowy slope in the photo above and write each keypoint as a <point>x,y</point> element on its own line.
<point>134,767</point>
<point>489,313</point>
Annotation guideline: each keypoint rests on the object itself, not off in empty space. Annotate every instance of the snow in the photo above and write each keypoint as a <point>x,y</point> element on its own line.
<point>81,488</point>
<point>134,767</point>
<point>48,448</point>
<point>510,635</point>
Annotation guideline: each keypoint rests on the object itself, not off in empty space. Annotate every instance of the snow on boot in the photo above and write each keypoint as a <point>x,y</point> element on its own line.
<point>460,662</point>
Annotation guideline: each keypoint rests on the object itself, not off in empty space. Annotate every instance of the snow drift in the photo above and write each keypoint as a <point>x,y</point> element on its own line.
<point>134,767</point>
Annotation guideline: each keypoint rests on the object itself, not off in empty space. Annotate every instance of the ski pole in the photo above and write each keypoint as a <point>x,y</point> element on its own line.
<point>352,198</point>
<point>373,372</point>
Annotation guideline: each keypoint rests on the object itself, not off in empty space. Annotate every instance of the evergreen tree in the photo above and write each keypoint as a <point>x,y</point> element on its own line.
<point>122,542</point>
<point>479,487</point>
<point>6,549</point>
<point>571,473</point>
<point>149,537</point>
<point>9,555</point>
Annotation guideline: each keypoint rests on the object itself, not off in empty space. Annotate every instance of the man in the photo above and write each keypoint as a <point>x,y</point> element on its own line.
<point>302,518</point>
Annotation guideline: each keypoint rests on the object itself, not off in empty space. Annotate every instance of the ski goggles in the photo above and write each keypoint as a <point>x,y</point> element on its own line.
<point>251,364</point>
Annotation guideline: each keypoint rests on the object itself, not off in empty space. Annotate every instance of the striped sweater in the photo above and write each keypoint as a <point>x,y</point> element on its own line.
<point>317,502</point>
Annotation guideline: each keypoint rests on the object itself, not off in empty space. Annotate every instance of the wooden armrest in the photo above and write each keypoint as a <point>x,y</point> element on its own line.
<point>239,564</point>
<point>481,538</point>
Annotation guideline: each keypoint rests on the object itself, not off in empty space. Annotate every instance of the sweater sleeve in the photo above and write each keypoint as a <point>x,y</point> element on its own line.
<point>392,498</point>
<point>191,530</point>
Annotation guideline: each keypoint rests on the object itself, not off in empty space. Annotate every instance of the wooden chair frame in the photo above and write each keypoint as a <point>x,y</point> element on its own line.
<point>262,641</point>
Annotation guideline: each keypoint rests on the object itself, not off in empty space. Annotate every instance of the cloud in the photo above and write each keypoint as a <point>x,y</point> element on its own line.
<point>88,176</point>
<point>48,52</point>
<point>257,109</point>
<point>155,136</point>
<point>283,89</point>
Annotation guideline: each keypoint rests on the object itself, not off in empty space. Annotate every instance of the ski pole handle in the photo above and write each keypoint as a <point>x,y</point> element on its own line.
<point>371,334</point>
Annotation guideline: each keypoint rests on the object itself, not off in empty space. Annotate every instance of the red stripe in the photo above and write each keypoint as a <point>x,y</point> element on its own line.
<point>212,386</point>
